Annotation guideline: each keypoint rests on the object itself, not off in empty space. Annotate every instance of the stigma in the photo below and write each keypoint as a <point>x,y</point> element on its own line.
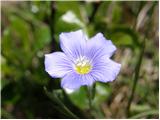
<point>83,65</point>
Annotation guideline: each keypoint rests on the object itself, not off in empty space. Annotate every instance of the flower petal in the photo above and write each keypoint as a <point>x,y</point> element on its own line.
<point>71,81</point>
<point>105,70</point>
<point>57,64</point>
<point>73,43</point>
<point>74,81</point>
<point>98,46</point>
<point>88,79</point>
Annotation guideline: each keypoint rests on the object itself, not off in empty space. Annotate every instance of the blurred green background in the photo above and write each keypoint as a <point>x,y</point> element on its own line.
<point>31,29</point>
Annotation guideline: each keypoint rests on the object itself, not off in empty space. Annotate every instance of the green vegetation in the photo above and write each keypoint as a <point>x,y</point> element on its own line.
<point>31,29</point>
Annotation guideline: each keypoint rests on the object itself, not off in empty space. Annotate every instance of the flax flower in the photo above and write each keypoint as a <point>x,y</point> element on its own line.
<point>82,61</point>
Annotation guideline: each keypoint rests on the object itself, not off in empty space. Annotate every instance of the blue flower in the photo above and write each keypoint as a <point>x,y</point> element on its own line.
<point>82,61</point>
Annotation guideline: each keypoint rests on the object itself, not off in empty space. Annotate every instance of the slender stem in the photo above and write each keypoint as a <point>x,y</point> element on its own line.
<point>56,99</point>
<point>91,90</point>
<point>95,8</point>
<point>135,80</point>
<point>70,113</point>
<point>54,45</point>
<point>138,66</point>
<point>90,97</point>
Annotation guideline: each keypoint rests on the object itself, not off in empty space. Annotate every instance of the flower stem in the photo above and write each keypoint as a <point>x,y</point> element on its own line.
<point>91,94</point>
<point>90,97</point>
<point>135,79</point>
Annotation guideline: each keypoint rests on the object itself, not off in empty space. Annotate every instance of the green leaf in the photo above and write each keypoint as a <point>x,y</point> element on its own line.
<point>117,13</point>
<point>124,36</point>
<point>42,36</point>
<point>122,39</point>
<point>79,98</point>
<point>54,96</point>
<point>103,92</point>
<point>21,30</point>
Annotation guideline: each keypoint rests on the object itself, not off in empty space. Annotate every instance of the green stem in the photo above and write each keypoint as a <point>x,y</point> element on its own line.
<point>70,113</point>
<point>135,80</point>
<point>89,90</point>
<point>56,99</point>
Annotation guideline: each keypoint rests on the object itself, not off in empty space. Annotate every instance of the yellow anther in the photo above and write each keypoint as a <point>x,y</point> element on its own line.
<point>83,66</point>
<point>83,69</point>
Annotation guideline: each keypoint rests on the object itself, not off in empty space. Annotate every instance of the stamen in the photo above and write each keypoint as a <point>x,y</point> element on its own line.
<point>83,65</point>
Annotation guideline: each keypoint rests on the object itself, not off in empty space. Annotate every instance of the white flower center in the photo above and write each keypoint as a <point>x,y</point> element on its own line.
<point>83,65</point>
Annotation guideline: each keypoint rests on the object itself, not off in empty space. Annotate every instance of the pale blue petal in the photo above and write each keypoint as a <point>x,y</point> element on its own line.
<point>98,46</point>
<point>71,81</point>
<point>105,70</point>
<point>57,64</point>
<point>73,43</point>
<point>87,79</point>
<point>74,81</point>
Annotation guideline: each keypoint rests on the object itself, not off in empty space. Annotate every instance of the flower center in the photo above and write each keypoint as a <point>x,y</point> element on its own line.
<point>83,65</point>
